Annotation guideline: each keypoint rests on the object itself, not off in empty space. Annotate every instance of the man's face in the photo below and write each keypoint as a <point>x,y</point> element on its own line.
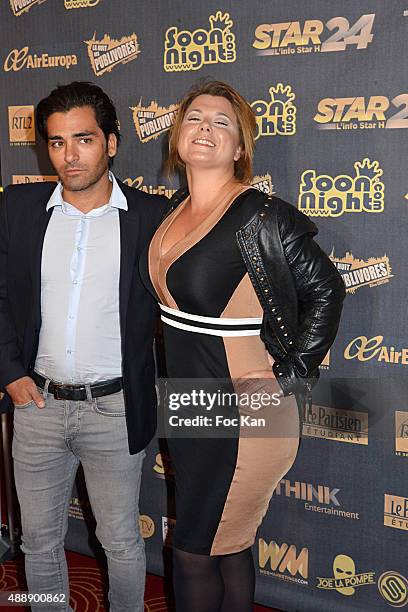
<point>78,149</point>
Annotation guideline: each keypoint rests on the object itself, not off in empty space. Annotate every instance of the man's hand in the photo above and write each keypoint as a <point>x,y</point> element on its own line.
<point>23,391</point>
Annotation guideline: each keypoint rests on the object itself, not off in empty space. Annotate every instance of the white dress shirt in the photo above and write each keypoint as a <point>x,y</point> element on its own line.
<point>80,339</point>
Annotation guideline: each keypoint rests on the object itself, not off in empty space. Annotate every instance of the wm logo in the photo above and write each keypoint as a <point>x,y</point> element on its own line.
<point>283,558</point>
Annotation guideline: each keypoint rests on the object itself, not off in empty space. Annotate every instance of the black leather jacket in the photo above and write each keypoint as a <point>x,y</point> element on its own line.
<point>299,288</point>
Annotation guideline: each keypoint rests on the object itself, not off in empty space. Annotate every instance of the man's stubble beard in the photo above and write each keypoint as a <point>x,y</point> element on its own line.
<point>84,183</point>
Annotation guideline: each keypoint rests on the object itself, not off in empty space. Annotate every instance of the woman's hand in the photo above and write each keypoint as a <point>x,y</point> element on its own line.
<point>261,383</point>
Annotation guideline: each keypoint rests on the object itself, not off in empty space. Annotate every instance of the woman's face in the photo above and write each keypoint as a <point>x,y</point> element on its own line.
<point>209,135</point>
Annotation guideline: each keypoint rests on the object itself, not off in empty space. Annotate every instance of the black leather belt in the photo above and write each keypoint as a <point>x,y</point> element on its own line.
<point>78,392</point>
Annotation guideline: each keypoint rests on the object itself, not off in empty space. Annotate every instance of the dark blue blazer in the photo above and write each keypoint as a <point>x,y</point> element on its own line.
<point>23,222</point>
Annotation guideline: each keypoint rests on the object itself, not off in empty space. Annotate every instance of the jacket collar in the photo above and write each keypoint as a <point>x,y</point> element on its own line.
<point>117,198</point>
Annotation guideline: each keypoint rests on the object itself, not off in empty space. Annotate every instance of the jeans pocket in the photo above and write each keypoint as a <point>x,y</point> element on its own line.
<point>22,406</point>
<point>112,405</point>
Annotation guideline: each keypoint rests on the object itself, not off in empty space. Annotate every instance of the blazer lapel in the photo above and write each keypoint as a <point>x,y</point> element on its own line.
<point>129,230</point>
<point>39,224</point>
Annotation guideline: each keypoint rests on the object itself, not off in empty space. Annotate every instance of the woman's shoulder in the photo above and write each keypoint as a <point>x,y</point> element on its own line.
<point>252,201</point>
<point>273,209</point>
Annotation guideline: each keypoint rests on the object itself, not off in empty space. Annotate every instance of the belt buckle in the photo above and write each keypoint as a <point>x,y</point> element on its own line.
<point>56,391</point>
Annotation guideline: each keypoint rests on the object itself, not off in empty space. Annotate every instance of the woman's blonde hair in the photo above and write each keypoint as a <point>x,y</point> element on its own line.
<point>246,125</point>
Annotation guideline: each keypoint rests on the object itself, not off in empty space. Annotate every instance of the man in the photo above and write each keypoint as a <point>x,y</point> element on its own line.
<point>76,331</point>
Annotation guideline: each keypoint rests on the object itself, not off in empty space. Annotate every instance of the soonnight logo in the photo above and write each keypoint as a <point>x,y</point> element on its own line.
<point>190,50</point>
<point>76,4</point>
<point>322,195</point>
<point>276,116</point>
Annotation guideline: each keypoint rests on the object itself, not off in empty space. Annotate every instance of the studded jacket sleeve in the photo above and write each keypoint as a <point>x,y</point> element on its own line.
<point>299,288</point>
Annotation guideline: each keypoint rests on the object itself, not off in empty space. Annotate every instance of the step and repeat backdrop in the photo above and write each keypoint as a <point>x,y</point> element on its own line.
<point>328,83</point>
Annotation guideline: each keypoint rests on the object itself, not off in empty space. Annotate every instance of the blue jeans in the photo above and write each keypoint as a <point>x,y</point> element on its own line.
<point>49,443</point>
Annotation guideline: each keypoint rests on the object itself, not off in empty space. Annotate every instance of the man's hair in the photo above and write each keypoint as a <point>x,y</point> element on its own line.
<point>76,95</point>
<point>246,124</point>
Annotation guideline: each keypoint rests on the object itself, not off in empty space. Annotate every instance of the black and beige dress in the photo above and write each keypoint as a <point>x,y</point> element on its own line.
<point>211,323</point>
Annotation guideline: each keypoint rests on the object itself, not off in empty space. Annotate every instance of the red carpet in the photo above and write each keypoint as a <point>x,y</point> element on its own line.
<point>88,586</point>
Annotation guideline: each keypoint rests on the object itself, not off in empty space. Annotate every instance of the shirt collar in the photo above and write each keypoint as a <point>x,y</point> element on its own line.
<point>116,200</point>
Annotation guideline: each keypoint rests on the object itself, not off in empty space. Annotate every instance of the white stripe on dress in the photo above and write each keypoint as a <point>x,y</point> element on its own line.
<point>216,320</point>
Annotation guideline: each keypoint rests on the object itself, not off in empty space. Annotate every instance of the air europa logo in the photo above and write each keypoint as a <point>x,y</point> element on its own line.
<point>327,196</point>
<point>284,561</point>
<point>107,53</point>
<point>365,349</point>
<point>137,183</point>
<point>362,113</point>
<point>262,183</point>
<point>21,6</point>
<point>292,37</point>
<point>153,120</point>
<point>74,4</point>
<point>185,50</point>
<point>276,116</point>
<point>18,59</point>
<point>358,273</point>
<point>345,580</point>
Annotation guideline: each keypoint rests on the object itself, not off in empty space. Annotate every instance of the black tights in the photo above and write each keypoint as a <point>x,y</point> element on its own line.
<point>214,584</point>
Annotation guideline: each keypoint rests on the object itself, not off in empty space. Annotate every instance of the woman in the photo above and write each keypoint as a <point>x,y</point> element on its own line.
<point>242,286</point>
